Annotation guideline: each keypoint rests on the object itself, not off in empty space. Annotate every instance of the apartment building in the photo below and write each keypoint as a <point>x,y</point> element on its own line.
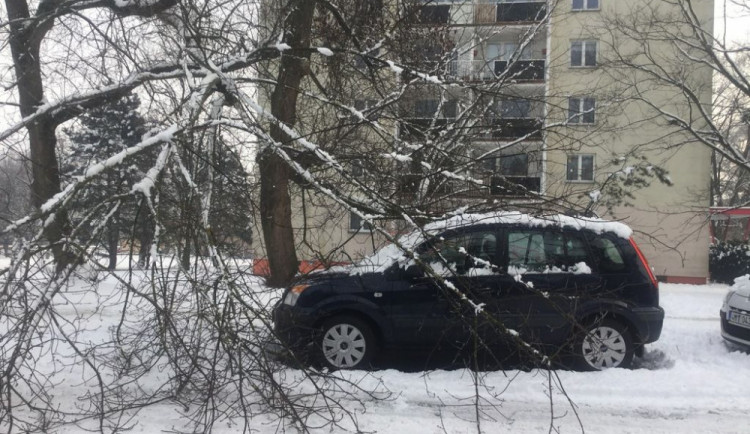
<point>549,118</point>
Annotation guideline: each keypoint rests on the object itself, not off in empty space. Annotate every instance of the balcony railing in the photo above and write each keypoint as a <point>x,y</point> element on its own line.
<point>462,13</point>
<point>515,128</point>
<point>514,185</point>
<point>434,14</point>
<point>521,70</point>
<point>417,129</point>
<point>506,186</point>
<point>482,70</point>
<point>420,128</point>
<point>514,12</point>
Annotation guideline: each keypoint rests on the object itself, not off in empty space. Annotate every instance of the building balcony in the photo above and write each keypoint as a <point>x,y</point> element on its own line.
<point>529,71</point>
<point>520,70</point>
<point>494,186</point>
<point>503,129</point>
<point>516,128</point>
<point>467,13</point>
<point>434,14</point>
<point>514,186</point>
<point>520,12</point>
<point>421,128</point>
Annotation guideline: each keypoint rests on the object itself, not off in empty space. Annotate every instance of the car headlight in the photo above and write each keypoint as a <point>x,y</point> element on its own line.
<point>293,294</point>
<point>725,304</point>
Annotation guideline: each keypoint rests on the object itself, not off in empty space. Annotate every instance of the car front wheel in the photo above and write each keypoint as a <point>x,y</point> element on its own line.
<point>605,344</point>
<point>347,343</point>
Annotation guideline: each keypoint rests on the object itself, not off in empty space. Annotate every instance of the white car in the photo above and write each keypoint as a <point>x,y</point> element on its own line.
<point>735,313</point>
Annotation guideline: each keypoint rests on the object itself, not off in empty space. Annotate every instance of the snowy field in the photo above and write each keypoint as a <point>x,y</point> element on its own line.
<point>688,381</point>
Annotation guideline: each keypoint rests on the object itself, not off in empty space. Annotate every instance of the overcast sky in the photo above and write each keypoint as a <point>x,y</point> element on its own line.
<point>737,20</point>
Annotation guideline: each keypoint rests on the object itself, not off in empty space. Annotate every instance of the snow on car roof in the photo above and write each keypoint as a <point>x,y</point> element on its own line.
<point>594,224</point>
<point>386,256</point>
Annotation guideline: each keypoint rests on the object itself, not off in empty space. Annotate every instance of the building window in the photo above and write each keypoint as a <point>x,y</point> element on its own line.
<point>356,224</point>
<point>360,62</point>
<point>357,170</point>
<point>450,108</point>
<point>583,53</point>
<point>426,108</point>
<point>507,165</point>
<point>516,108</point>
<point>366,105</point>
<point>580,167</point>
<point>585,5</point>
<point>581,110</point>
<point>429,108</point>
<point>514,165</point>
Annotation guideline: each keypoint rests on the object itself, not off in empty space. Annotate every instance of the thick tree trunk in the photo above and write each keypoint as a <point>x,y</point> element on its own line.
<point>113,241</point>
<point>145,230</point>
<point>275,200</point>
<point>186,246</point>
<point>25,41</point>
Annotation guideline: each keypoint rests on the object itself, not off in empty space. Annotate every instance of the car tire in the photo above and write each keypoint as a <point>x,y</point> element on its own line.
<point>346,342</point>
<point>605,344</point>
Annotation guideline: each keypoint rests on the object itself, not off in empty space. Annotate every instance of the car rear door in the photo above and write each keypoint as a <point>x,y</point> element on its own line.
<point>547,270</point>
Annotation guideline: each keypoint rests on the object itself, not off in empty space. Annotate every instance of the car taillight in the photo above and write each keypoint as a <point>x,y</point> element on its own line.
<point>645,263</point>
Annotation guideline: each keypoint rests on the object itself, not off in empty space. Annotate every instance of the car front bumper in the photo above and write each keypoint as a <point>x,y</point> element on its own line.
<point>734,333</point>
<point>294,327</point>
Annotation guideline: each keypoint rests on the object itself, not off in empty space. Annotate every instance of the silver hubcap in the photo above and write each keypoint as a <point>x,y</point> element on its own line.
<point>344,346</point>
<point>604,347</point>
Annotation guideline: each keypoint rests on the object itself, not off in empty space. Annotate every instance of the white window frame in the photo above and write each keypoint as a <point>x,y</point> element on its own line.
<point>578,117</point>
<point>579,173</point>
<point>586,6</point>
<point>584,43</point>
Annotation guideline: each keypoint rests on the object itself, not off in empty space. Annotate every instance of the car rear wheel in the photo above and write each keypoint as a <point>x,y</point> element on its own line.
<point>605,344</point>
<point>347,342</point>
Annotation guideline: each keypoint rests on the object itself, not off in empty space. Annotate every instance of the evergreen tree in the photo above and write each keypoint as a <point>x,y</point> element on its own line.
<point>103,132</point>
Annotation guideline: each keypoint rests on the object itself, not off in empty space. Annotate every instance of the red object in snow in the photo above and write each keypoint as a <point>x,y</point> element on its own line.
<point>260,266</point>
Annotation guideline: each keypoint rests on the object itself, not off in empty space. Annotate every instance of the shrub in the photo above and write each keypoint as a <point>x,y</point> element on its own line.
<point>728,260</point>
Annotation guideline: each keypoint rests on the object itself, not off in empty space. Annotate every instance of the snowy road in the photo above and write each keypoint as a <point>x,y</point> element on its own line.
<point>688,381</point>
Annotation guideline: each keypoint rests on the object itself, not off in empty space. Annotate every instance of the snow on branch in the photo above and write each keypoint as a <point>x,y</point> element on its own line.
<point>60,198</point>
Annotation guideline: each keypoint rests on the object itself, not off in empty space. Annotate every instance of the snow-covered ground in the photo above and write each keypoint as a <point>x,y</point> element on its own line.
<point>688,381</point>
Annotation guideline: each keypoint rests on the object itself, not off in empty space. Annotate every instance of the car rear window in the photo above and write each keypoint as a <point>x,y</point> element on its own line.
<point>608,255</point>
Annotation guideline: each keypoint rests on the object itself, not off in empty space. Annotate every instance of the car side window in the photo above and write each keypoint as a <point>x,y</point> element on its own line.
<point>462,252</point>
<point>546,251</point>
<point>575,249</point>
<point>608,255</point>
<point>526,250</point>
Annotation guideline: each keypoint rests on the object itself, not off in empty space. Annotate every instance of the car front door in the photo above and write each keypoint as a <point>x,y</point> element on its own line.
<point>437,307</point>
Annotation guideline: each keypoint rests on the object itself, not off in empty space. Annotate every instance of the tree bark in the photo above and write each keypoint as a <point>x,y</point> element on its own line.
<point>113,240</point>
<point>27,32</point>
<point>275,200</point>
<point>25,40</point>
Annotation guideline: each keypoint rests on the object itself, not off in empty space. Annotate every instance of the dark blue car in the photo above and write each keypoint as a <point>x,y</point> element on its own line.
<point>553,288</point>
